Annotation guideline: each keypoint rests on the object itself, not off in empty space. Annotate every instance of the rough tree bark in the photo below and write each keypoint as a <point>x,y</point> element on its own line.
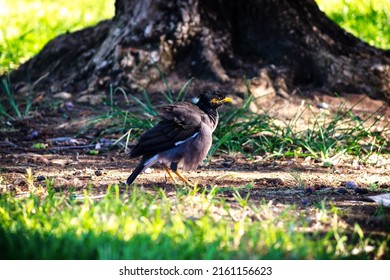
<point>285,44</point>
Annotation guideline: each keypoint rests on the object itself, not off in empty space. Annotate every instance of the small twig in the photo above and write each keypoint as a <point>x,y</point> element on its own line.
<point>71,147</point>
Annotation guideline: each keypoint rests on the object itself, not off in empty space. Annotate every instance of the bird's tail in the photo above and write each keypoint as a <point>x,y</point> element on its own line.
<point>145,163</point>
<point>135,173</point>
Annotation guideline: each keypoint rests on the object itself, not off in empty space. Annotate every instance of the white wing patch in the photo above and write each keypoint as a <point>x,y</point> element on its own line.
<point>188,139</point>
<point>151,161</point>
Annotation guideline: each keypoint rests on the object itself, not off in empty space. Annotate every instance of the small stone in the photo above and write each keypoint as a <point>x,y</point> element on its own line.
<point>61,182</point>
<point>341,191</point>
<point>351,185</point>
<point>76,182</point>
<point>227,164</point>
<point>69,105</point>
<point>98,173</point>
<point>323,105</point>
<point>361,190</point>
<point>309,190</point>
<point>257,157</point>
<point>41,178</point>
<point>63,95</point>
<point>148,170</point>
<point>34,134</point>
<point>337,171</point>
<point>19,182</point>
<point>92,99</point>
<point>106,142</point>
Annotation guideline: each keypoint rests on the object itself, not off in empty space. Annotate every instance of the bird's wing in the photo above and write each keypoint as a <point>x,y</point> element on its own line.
<point>179,122</point>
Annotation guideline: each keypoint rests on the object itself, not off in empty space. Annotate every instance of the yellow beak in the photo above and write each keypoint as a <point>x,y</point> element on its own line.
<point>227,100</point>
<point>221,101</point>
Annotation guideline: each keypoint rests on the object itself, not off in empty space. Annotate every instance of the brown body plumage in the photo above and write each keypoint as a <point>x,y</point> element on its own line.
<point>182,138</point>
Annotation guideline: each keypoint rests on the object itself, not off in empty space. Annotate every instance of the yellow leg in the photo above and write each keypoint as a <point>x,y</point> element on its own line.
<point>178,175</point>
<point>183,179</point>
<point>170,174</point>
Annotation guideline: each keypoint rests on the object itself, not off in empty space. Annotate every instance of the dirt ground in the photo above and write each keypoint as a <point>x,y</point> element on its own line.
<point>67,160</point>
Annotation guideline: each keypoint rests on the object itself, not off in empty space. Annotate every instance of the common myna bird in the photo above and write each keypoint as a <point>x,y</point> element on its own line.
<point>182,138</point>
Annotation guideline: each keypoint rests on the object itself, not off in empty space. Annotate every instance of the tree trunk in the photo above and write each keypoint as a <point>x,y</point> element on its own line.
<point>284,44</point>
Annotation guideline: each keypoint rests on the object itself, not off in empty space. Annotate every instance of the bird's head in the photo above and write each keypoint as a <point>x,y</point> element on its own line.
<point>212,99</point>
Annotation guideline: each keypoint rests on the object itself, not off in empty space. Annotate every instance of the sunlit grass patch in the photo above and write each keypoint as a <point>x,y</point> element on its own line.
<point>194,224</point>
<point>368,20</point>
<point>26,25</point>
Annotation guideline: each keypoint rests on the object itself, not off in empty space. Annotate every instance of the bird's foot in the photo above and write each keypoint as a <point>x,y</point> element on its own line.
<point>188,183</point>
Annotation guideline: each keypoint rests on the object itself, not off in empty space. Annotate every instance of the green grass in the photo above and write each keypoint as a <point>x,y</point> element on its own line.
<point>326,136</point>
<point>27,25</point>
<point>367,20</point>
<point>10,108</point>
<point>183,224</point>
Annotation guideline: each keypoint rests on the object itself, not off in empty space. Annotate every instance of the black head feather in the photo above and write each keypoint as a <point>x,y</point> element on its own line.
<point>211,99</point>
